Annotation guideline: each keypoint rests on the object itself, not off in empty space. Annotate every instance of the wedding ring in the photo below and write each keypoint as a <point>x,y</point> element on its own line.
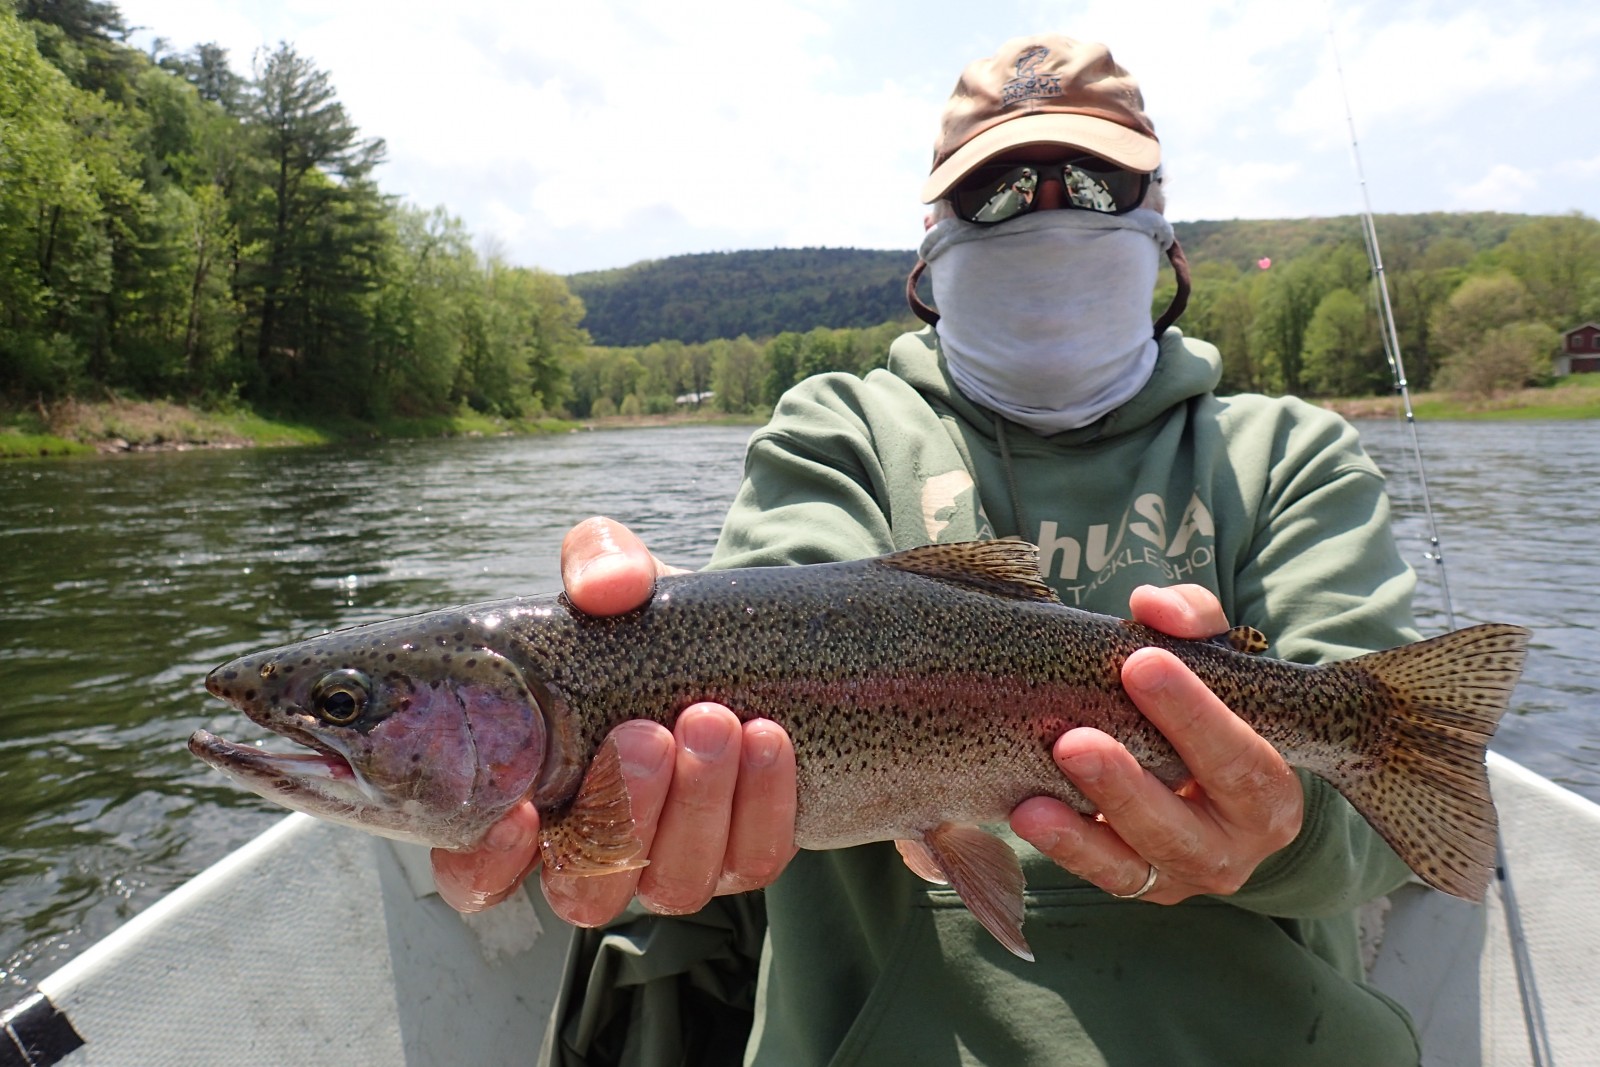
<point>1149,884</point>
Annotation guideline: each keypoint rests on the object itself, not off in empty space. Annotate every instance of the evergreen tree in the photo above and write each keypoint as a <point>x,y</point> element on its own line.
<point>316,225</point>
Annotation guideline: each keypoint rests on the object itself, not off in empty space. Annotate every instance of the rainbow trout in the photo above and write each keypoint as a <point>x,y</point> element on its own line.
<point>923,692</point>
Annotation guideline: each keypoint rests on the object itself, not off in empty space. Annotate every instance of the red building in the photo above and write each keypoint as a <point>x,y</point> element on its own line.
<point>1580,351</point>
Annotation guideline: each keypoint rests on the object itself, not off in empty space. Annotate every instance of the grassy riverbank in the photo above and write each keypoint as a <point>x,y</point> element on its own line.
<point>74,427</point>
<point>1577,397</point>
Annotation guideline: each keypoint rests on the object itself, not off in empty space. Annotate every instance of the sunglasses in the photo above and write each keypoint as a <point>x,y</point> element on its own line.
<point>1002,191</point>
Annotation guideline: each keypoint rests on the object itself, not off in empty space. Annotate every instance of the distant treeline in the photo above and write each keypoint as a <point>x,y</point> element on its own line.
<point>171,228</point>
<point>1479,300</point>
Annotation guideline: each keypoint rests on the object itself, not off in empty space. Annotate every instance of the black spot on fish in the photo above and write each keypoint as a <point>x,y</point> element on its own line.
<point>249,694</point>
<point>229,676</point>
<point>390,657</point>
<point>471,663</point>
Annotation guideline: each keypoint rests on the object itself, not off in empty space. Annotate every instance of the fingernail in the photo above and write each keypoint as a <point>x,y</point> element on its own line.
<point>508,836</point>
<point>1084,766</point>
<point>1045,842</point>
<point>705,734</point>
<point>643,749</point>
<point>1145,675</point>
<point>599,561</point>
<point>760,749</point>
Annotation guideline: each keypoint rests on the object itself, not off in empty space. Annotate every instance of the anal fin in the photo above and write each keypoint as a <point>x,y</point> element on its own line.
<point>596,834</point>
<point>919,857</point>
<point>985,872</point>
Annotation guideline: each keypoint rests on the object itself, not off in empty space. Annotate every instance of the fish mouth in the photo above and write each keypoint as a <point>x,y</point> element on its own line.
<point>324,784</point>
<point>320,774</point>
<point>320,783</point>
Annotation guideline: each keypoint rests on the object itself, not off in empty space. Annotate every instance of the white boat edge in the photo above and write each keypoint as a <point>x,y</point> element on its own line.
<point>317,943</point>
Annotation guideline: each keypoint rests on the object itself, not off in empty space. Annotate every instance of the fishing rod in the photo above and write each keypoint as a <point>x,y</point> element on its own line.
<point>1532,1008</point>
<point>1391,339</point>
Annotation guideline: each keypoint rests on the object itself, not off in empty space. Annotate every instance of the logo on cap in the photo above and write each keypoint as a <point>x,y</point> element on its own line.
<point>1028,83</point>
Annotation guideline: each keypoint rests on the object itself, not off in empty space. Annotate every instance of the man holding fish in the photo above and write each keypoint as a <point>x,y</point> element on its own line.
<point>1212,923</point>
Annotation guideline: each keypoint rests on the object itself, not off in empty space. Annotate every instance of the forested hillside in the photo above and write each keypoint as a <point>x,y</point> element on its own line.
<point>1479,300</point>
<point>765,292</point>
<point>1242,243</point>
<point>759,293</point>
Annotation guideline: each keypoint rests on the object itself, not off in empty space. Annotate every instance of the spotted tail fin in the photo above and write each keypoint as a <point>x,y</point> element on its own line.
<point>1425,788</point>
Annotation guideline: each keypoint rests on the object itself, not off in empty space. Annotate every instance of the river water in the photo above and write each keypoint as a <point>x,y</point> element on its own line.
<point>123,580</point>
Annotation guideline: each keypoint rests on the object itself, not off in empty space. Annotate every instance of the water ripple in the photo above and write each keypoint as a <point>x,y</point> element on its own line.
<point>124,580</point>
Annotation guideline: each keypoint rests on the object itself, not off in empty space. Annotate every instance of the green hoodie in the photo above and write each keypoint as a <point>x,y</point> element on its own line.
<point>1271,504</point>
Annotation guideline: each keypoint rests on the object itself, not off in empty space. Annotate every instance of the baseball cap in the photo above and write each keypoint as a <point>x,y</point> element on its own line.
<point>1044,89</point>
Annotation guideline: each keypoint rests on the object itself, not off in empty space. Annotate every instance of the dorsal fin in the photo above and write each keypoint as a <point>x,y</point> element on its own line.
<point>1007,568</point>
<point>1246,639</point>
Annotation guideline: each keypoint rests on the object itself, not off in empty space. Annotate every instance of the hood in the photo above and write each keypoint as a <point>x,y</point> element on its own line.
<point>1185,368</point>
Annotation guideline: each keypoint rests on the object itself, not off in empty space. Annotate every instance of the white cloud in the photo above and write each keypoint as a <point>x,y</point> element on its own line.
<point>1503,188</point>
<point>1578,168</point>
<point>599,116</point>
<point>590,135</point>
<point>1417,69</point>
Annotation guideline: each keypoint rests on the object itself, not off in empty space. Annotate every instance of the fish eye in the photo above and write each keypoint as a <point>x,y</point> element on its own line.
<point>341,696</point>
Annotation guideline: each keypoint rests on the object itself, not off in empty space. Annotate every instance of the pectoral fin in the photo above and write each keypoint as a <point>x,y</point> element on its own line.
<point>596,834</point>
<point>984,871</point>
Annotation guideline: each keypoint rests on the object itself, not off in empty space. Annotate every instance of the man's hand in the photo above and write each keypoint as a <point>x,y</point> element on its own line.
<point>713,800</point>
<point>1244,803</point>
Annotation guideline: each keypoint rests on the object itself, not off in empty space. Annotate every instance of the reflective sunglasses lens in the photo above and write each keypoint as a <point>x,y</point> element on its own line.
<point>1095,185</point>
<point>995,194</point>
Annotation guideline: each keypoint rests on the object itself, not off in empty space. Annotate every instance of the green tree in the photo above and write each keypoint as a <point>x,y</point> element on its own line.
<point>1222,310</point>
<point>427,313</point>
<point>1288,300</point>
<point>84,39</point>
<point>206,68</point>
<point>1506,357</point>
<point>53,257</point>
<point>783,366</point>
<point>1480,304</point>
<point>738,369</point>
<point>317,224</point>
<point>823,350</point>
<point>532,335</point>
<point>1344,353</point>
<point>1486,331</point>
<point>1422,281</point>
<point>1558,259</point>
<point>666,376</point>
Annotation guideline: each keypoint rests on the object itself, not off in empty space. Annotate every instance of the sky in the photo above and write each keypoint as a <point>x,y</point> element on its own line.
<point>587,135</point>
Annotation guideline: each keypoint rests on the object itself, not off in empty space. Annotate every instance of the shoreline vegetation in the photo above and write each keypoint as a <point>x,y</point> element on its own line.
<point>114,425</point>
<point>75,428</point>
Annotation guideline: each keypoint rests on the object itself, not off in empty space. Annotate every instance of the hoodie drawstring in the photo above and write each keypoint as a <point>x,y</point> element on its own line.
<point>1011,476</point>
